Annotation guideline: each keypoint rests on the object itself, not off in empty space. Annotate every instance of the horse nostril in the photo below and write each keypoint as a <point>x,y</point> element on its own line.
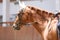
<point>16,27</point>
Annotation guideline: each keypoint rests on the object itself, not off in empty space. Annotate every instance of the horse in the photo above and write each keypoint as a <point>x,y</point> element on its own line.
<point>45,22</point>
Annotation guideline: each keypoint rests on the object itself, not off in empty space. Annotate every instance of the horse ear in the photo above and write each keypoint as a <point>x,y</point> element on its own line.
<point>22,5</point>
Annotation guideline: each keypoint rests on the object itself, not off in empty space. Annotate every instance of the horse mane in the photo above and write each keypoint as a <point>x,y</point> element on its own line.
<point>33,13</point>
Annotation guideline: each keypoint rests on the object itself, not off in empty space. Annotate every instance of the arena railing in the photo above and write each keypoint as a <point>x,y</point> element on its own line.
<point>7,23</point>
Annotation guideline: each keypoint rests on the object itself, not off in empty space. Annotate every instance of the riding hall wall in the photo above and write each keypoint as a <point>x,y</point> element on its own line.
<point>25,33</point>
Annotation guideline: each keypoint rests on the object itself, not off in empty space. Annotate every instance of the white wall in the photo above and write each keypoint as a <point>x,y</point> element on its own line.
<point>1,8</point>
<point>46,4</point>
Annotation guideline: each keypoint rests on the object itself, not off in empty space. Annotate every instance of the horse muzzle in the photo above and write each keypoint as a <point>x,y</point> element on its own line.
<point>16,27</point>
